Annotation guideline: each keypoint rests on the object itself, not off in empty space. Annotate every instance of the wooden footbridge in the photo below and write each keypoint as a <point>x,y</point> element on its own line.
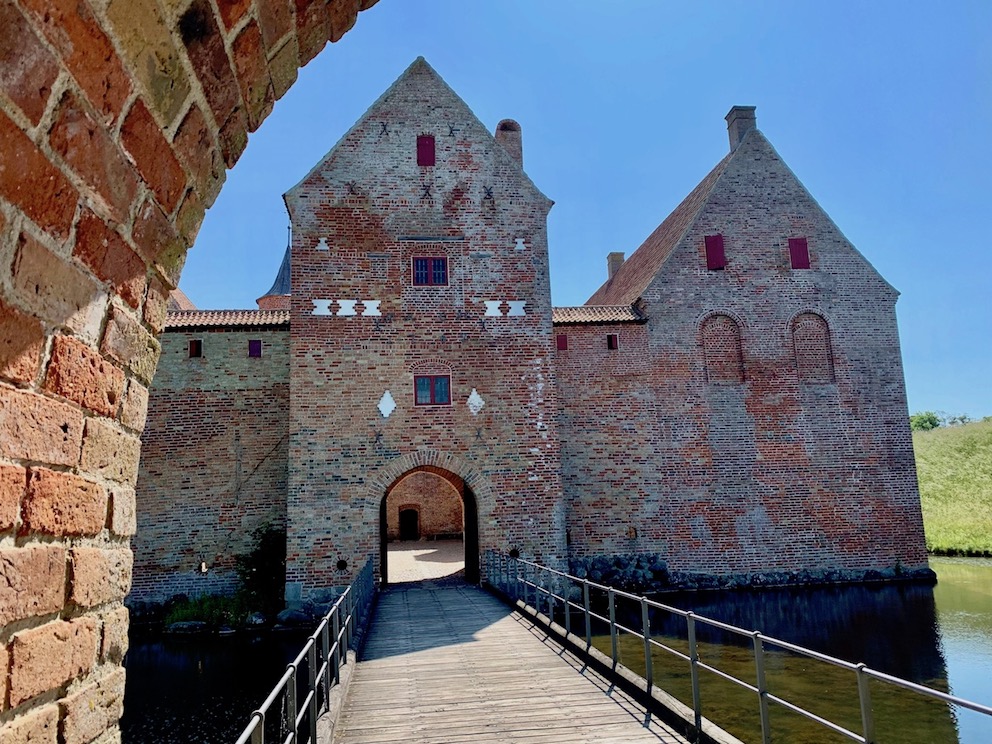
<point>451,663</point>
<point>443,661</point>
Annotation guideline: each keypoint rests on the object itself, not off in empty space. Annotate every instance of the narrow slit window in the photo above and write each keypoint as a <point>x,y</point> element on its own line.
<point>425,150</point>
<point>562,341</point>
<point>612,341</point>
<point>799,253</point>
<point>430,271</point>
<point>432,390</point>
<point>715,258</point>
<point>195,348</point>
<point>255,347</point>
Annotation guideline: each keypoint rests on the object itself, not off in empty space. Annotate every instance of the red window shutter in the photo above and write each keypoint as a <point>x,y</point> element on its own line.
<point>799,253</point>
<point>195,348</point>
<point>425,149</point>
<point>715,259</point>
<point>612,341</point>
<point>562,340</point>
<point>255,347</point>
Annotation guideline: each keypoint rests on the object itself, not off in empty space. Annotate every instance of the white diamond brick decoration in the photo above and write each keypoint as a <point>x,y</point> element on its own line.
<point>475,402</point>
<point>322,245</point>
<point>321,307</point>
<point>516,307</point>
<point>519,244</point>
<point>371,307</point>
<point>387,405</point>
<point>492,308</point>
<point>347,307</point>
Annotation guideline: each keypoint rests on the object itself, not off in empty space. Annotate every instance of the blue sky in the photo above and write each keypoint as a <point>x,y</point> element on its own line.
<point>883,109</point>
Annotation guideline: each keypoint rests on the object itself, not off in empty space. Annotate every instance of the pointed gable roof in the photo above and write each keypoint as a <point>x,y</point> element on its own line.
<point>415,77</point>
<point>634,274</point>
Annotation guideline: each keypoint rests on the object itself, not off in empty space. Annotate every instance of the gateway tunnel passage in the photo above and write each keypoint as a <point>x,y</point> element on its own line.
<point>428,528</point>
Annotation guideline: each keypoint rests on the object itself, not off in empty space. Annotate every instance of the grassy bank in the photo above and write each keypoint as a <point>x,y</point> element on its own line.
<point>955,470</point>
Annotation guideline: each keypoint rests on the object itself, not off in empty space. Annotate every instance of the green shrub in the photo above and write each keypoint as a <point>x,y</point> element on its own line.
<point>262,571</point>
<point>213,609</point>
<point>924,421</point>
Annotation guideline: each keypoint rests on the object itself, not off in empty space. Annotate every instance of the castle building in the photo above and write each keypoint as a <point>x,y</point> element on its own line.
<point>729,404</point>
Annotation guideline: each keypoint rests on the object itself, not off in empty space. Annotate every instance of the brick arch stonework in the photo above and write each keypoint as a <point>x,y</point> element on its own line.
<point>118,119</point>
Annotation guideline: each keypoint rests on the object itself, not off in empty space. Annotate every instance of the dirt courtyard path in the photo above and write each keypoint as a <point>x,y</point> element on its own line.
<point>424,560</point>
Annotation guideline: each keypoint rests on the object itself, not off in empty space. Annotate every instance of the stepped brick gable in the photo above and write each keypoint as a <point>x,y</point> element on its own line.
<point>728,408</point>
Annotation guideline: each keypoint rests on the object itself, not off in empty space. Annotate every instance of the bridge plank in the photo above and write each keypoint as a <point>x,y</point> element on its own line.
<point>450,663</point>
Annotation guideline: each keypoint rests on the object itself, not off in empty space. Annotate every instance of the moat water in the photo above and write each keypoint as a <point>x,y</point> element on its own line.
<point>204,689</point>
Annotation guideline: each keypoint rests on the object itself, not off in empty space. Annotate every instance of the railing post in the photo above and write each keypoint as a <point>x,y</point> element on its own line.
<point>864,693</point>
<point>697,708</point>
<point>291,702</point>
<point>646,629</point>
<point>568,606</point>
<point>312,675</point>
<point>585,609</point>
<point>759,668</point>
<point>258,734</point>
<point>550,585</point>
<point>346,626</point>
<point>336,631</point>
<point>325,654</point>
<point>349,618</point>
<point>613,628</point>
<point>515,594</point>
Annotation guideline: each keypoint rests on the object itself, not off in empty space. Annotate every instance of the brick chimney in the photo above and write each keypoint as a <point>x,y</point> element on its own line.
<point>740,121</point>
<point>509,136</point>
<point>613,262</point>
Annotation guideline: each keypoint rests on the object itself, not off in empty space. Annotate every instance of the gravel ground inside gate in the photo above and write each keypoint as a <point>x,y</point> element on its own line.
<point>425,560</point>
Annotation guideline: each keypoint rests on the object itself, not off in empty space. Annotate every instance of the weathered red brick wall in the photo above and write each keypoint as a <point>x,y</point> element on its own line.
<point>117,120</point>
<point>758,421</point>
<point>214,464</point>
<point>435,499</point>
<point>376,208</point>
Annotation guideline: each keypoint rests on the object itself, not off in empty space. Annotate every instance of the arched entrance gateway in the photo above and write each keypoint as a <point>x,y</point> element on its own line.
<point>428,515</point>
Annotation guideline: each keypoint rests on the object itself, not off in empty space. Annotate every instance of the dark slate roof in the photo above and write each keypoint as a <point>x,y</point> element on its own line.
<point>281,285</point>
<point>587,314</point>
<point>230,319</point>
<point>634,274</point>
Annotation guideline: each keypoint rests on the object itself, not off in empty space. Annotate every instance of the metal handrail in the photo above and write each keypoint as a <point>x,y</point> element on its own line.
<point>525,581</point>
<point>335,634</point>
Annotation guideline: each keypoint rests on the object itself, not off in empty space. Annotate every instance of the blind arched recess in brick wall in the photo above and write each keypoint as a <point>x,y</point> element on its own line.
<point>814,357</point>
<point>721,336</point>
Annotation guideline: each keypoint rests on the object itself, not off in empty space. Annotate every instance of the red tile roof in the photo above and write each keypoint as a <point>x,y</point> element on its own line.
<point>226,319</point>
<point>634,274</point>
<point>596,314</point>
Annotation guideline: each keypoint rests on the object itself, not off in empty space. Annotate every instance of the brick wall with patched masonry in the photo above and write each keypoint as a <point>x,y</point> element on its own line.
<point>729,404</point>
<point>214,465</point>
<point>420,332</point>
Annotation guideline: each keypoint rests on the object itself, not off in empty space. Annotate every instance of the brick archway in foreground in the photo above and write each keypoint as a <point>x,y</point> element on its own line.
<point>118,120</point>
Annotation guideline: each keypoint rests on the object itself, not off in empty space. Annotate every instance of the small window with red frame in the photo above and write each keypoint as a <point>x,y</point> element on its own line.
<point>195,348</point>
<point>612,341</point>
<point>799,253</point>
<point>430,271</point>
<point>425,150</point>
<point>432,390</point>
<point>716,260</point>
<point>562,340</point>
<point>255,347</point>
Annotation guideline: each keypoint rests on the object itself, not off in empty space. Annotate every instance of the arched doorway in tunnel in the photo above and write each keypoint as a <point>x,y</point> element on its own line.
<point>428,528</point>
